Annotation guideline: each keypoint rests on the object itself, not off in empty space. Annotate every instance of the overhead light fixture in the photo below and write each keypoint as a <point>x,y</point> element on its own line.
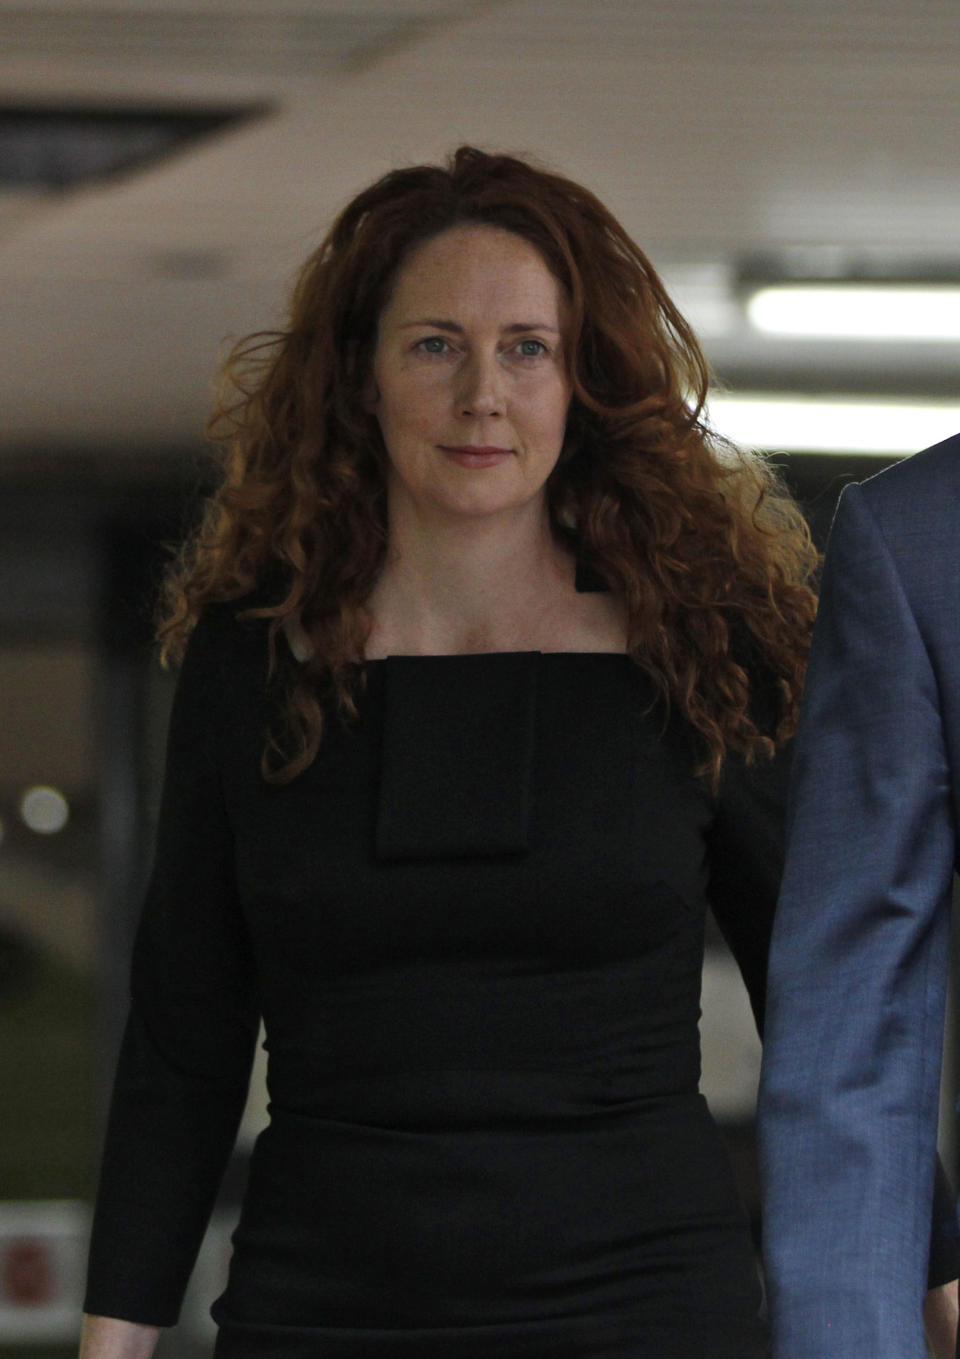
<point>832,424</point>
<point>858,311</point>
<point>57,146</point>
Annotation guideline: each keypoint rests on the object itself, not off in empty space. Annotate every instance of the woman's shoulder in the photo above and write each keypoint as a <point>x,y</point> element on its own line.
<point>223,685</point>
<point>229,639</point>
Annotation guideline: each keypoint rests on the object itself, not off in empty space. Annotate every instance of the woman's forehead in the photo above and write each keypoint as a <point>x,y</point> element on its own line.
<point>477,269</point>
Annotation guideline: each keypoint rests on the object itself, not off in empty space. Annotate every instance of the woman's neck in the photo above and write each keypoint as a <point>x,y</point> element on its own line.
<point>476,586</point>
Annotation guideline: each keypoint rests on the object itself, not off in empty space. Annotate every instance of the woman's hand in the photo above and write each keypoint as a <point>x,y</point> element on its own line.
<point>110,1338</point>
<point>940,1312</point>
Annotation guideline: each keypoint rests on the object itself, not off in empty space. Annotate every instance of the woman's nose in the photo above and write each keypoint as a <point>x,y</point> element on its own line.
<point>480,391</point>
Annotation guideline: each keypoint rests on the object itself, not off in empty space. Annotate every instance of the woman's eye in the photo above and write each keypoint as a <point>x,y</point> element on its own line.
<point>531,349</point>
<point>433,344</point>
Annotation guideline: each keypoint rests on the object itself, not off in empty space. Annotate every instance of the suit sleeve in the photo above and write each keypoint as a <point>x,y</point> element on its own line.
<point>747,864</point>
<point>185,1059</point>
<point>857,977</point>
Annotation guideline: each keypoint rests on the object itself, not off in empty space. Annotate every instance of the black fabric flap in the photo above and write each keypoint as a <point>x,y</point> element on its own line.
<point>457,755</point>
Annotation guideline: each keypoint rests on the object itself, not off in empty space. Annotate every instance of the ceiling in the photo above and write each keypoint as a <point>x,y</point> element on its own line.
<point>804,134</point>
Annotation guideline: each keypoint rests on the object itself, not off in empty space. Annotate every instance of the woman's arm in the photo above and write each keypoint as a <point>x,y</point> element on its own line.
<point>188,1046</point>
<point>746,851</point>
<point>110,1338</point>
<point>940,1314</point>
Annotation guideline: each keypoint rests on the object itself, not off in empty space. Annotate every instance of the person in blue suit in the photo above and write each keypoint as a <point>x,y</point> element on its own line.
<point>859,960</point>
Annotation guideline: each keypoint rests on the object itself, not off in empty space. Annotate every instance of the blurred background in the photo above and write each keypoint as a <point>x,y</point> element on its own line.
<point>789,165</point>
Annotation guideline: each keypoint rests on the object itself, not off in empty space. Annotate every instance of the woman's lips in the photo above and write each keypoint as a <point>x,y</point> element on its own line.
<point>476,455</point>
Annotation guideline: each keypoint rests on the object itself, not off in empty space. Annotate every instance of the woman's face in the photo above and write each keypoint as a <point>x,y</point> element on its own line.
<point>471,391</point>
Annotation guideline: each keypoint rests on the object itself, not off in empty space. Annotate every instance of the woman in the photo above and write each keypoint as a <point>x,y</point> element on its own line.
<point>491,646</point>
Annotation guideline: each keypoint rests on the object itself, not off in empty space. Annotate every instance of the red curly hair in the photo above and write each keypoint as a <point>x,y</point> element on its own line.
<point>709,553</point>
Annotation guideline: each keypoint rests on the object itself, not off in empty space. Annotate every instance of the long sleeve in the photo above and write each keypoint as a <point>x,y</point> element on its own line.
<point>857,977</point>
<point>186,1054</point>
<point>746,849</point>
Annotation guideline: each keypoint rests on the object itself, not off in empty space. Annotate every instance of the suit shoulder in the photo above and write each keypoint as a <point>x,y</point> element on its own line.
<point>909,512</point>
<point>929,478</point>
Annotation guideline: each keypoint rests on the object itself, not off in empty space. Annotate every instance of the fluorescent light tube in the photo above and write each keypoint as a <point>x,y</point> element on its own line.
<point>834,425</point>
<point>922,312</point>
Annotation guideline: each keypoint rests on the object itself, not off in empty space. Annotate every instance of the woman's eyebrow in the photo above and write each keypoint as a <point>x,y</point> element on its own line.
<point>434,323</point>
<point>514,328</point>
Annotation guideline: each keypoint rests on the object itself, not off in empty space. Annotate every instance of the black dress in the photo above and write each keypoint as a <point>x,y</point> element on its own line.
<point>474,929</point>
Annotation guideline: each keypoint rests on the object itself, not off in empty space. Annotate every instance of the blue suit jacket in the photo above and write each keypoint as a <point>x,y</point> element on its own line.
<point>858,966</point>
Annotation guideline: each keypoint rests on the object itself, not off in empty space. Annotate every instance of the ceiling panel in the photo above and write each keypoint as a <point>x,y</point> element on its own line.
<point>280,41</point>
<point>716,131</point>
